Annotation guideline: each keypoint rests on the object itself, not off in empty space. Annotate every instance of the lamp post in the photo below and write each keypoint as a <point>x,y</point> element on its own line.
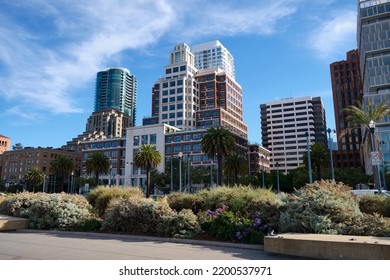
<point>180,157</point>
<point>189,172</point>
<point>71,182</point>
<point>308,157</point>
<point>131,173</point>
<point>262,171</point>
<point>171,175</point>
<point>211,174</point>
<point>376,173</point>
<point>277,176</point>
<point>330,151</point>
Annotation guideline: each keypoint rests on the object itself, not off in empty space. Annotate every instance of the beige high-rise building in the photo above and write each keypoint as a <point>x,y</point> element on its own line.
<point>5,144</point>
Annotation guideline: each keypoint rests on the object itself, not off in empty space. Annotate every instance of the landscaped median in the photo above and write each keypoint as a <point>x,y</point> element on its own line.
<point>238,214</point>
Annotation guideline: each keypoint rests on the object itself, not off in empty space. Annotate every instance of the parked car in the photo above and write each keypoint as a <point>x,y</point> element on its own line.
<point>371,191</point>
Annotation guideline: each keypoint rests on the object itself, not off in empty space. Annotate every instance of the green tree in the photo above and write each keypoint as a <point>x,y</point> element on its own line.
<point>97,163</point>
<point>17,147</point>
<point>359,117</point>
<point>235,165</point>
<point>148,157</point>
<point>219,142</point>
<point>34,177</point>
<point>319,155</point>
<point>62,167</point>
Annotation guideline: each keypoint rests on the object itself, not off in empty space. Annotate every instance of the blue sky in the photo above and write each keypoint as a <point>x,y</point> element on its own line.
<point>50,52</point>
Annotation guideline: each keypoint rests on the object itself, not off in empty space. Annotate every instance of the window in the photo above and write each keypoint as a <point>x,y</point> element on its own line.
<point>172,83</point>
<point>168,71</point>
<point>196,147</point>
<point>136,141</point>
<point>144,139</point>
<point>177,149</point>
<point>153,139</point>
<point>186,148</point>
<point>177,138</point>
<point>165,85</point>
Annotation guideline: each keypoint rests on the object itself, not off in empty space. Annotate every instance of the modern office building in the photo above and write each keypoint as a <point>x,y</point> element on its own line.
<point>220,102</point>
<point>175,97</point>
<point>5,144</point>
<point>212,55</point>
<point>373,37</point>
<point>287,125</point>
<point>16,163</point>
<point>116,88</point>
<point>347,90</point>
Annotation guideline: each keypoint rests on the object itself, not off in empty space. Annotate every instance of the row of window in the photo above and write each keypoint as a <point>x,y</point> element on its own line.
<point>144,139</point>
<point>108,144</point>
<point>183,137</point>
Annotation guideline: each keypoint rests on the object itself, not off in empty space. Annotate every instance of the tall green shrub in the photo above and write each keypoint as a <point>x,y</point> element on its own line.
<point>323,207</point>
<point>371,204</point>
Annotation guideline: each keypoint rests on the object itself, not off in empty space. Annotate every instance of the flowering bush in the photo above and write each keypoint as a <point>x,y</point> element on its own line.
<point>179,225</point>
<point>233,226</point>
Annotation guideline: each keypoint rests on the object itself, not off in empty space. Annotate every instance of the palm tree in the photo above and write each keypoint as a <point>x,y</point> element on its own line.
<point>97,163</point>
<point>148,157</point>
<point>34,177</point>
<point>62,167</point>
<point>360,116</point>
<point>319,156</point>
<point>235,165</point>
<point>218,142</point>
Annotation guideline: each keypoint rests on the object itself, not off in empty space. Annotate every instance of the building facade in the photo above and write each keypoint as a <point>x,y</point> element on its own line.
<point>5,144</point>
<point>259,159</point>
<point>110,122</point>
<point>347,91</point>
<point>14,164</point>
<point>288,125</point>
<point>373,36</point>
<point>175,97</point>
<point>115,150</point>
<point>116,88</point>
<point>214,55</point>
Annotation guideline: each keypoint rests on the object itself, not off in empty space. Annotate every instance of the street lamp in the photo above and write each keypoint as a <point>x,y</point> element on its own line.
<point>171,176</point>
<point>72,182</point>
<point>262,171</point>
<point>180,157</point>
<point>376,173</point>
<point>211,174</point>
<point>330,151</point>
<point>277,176</point>
<point>308,157</point>
<point>131,173</point>
<point>189,175</point>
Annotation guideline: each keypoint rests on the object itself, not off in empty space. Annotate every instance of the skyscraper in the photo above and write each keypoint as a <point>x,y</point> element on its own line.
<point>373,38</point>
<point>213,54</point>
<point>116,88</point>
<point>347,90</point>
<point>284,125</point>
<point>175,97</point>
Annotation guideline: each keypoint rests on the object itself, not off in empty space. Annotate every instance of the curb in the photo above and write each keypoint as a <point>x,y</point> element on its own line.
<point>146,238</point>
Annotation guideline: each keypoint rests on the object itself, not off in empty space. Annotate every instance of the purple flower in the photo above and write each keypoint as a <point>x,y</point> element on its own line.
<point>239,223</point>
<point>238,235</point>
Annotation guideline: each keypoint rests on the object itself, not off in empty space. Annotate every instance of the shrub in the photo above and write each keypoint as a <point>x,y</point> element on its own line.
<point>16,203</point>
<point>268,210</point>
<point>100,197</point>
<point>179,201</point>
<point>371,204</point>
<point>135,215</point>
<point>232,226</point>
<point>235,197</point>
<point>179,225</point>
<point>323,207</point>
<point>370,225</point>
<point>48,211</point>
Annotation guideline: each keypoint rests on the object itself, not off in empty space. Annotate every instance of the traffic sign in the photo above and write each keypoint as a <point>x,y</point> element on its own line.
<point>375,158</point>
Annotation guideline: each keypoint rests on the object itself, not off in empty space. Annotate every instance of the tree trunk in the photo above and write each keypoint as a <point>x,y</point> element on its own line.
<point>220,170</point>
<point>148,183</point>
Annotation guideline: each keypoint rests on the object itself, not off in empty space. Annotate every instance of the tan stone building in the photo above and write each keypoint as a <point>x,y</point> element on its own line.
<point>5,144</point>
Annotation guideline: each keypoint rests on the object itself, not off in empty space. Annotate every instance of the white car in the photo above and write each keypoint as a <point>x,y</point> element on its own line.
<point>371,191</point>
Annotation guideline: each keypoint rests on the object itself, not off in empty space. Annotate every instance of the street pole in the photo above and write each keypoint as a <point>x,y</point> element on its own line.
<point>331,155</point>
<point>211,174</point>
<point>262,171</point>
<point>189,174</point>
<point>308,157</point>
<point>277,176</point>
<point>171,175</point>
<point>377,175</point>
<point>180,156</point>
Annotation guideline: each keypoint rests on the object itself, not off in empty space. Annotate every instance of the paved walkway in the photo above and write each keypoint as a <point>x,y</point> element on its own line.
<point>58,245</point>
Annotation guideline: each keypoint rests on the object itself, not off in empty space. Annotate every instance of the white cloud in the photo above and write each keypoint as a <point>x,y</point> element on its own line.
<point>59,45</point>
<point>335,36</point>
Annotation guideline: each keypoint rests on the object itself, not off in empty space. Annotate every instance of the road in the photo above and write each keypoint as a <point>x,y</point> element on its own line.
<point>55,245</point>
